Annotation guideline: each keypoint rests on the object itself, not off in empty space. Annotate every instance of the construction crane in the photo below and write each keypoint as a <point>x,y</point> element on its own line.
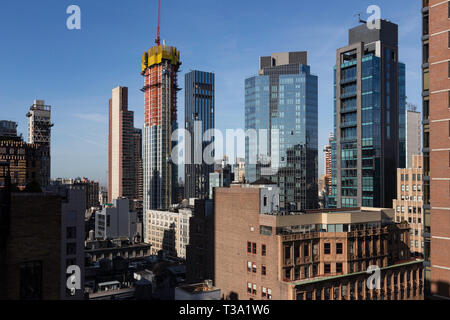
<point>158,35</point>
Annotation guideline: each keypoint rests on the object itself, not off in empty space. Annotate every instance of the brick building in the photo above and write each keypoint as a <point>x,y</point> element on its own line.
<point>436,144</point>
<point>263,253</point>
<point>24,160</point>
<point>409,203</point>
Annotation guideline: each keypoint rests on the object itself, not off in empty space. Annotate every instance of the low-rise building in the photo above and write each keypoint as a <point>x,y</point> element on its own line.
<point>198,291</point>
<point>116,221</point>
<point>264,253</point>
<point>409,203</point>
<point>168,230</point>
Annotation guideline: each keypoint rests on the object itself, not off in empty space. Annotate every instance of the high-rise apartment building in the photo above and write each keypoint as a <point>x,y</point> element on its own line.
<point>160,66</point>
<point>121,147</point>
<point>413,136</point>
<point>281,105</point>
<point>436,144</point>
<point>369,123</point>
<point>39,132</point>
<point>262,253</point>
<point>137,135</point>
<point>199,111</point>
<point>409,203</point>
<point>327,158</point>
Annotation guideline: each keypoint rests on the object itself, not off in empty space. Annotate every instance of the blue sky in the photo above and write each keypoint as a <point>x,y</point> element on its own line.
<point>75,70</point>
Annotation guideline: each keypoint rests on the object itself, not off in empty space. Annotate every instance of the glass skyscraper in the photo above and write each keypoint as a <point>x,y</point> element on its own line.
<point>281,105</point>
<point>369,113</point>
<point>199,118</point>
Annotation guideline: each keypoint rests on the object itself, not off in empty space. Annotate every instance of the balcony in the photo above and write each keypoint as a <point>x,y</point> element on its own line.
<point>348,124</point>
<point>348,95</point>
<point>348,80</point>
<point>348,109</point>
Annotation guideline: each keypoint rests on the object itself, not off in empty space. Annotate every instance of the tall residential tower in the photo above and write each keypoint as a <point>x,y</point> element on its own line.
<point>199,118</point>
<point>369,123</point>
<point>281,105</point>
<point>121,156</point>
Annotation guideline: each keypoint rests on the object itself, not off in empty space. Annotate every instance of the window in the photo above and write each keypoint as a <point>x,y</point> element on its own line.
<point>263,270</point>
<point>249,288</point>
<point>31,280</point>
<point>264,293</point>
<point>449,69</point>
<point>249,247</point>
<point>338,248</point>
<point>269,294</point>
<point>327,248</point>
<point>263,250</point>
<point>338,267</point>
<point>327,268</point>
<point>71,248</point>
<point>306,250</point>
<point>254,248</point>
<point>254,289</point>
<point>71,232</point>
<point>254,268</point>
<point>249,266</point>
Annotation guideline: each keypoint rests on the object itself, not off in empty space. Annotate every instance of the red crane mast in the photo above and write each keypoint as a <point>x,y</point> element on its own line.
<point>158,35</point>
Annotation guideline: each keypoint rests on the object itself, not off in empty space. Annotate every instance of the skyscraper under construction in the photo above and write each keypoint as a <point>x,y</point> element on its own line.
<point>160,66</point>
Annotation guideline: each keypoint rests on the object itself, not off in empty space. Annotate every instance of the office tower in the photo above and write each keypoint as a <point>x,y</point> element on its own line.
<point>199,111</point>
<point>121,149</point>
<point>369,124</point>
<point>409,203</point>
<point>160,66</point>
<point>262,253</point>
<point>137,135</point>
<point>39,132</point>
<point>281,105</point>
<point>327,155</point>
<point>436,144</point>
<point>413,136</point>
<point>24,159</point>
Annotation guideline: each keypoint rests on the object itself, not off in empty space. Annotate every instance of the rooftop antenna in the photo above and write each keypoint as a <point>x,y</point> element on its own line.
<point>359,18</point>
<point>158,34</point>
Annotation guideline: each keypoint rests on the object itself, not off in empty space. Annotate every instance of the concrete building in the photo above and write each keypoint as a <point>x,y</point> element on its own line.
<point>199,115</point>
<point>281,105</point>
<point>137,135</point>
<point>160,67</point>
<point>409,203</point>
<point>89,187</point>
<point>168,231</point>
<point>220,178</point>
<point>328,160</point>
<point>39,132</point>
<point>263,253</point>
<point>200,250</point>
<point>72,236</point>
<point>198,291</point>
<point>413,136</point>
<point>239,170</point>
<point>436,144</point>
<point>370,101</point>
<point>121,147</point>
<point>24,159</point>
<point>116,221</point>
